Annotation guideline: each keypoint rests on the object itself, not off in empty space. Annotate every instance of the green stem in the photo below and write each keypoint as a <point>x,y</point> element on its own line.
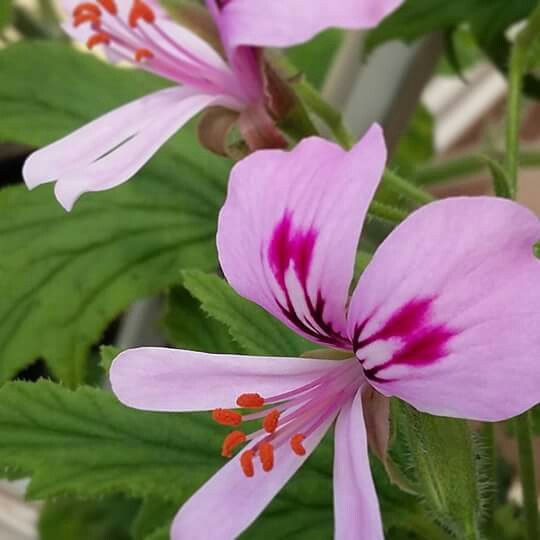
<point>321,108</point>
<point>386,212</point>
<point>518,67</point>
<point>490,473</point>
<point>528,477</point>
<point>435,173</point>
<point>404,187</point>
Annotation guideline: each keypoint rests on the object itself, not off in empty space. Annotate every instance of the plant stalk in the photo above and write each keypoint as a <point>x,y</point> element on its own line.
<point>527,472</point>
<point>518,67</point>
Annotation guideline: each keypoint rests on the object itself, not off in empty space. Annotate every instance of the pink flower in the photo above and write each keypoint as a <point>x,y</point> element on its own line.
<point>110,150</point>
<point>445,317</point>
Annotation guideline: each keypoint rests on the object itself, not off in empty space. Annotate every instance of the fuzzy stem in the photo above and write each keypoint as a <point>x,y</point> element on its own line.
<point>321,108</point>
<point>527,472</point>
<point>404,187</point>
<point>490,472</point>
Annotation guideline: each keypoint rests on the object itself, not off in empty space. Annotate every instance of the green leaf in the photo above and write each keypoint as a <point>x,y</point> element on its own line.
<point>416,18</point>
<point>69,275</point>
<point>417,144</point>
<point>86,443</point>
<point>257,331</point>
<point>107,354</point>
<point>444,460</point>
<point>73,519</point>
<point>153,514</point>
<point>188,326</point>
<point>6,8</point>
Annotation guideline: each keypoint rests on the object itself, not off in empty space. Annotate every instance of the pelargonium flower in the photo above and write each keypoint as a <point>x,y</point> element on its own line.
<point>111,149</point>
<point>445,317</point>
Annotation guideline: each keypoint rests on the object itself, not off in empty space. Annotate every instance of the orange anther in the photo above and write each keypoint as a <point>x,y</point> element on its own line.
<point>252,401</point>
<point>143,54</point>
<point>270,421</point>
<point>101,38</point>
<point>297,446</point>
<point>246,462</point>
<point>109,5</point>
<point>226,417</point>
<point>84,18</point>
<point>140,10</point>
<point>86,8</point>
<point>232,440</point>
<point>266,455</point>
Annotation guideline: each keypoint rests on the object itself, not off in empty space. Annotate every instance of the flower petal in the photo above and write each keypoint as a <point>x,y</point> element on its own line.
<point>356,507</point>
<point>446,315</point>
<point>282,23</point>
<point>229,502</point>
<point>111,149</point>
<point>160,379</point>
<point>288,231</point>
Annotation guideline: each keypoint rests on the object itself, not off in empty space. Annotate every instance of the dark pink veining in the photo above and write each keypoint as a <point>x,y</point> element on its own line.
<point>290,245</point>
<point>424,342</point>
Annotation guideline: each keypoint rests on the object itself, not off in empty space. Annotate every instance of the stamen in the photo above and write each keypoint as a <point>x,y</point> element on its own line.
<point>143,54</point>
<point>232,440</point>
<point>140,10</point>
<point>85,8</point>
<point>250,401</point>
<point>84,18</point>
<point>225,417</point>
<point>297,446</point>
<point>270,422</point>
<point>246,462</point>
<point>266,455</point>
<point>101,38</point>
<point>109,5</point>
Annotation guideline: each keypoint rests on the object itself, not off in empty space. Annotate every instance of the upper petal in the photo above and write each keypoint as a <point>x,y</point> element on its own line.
<point>96,138</point>
<point>159,379</point>
<point>356,507</point>
<point>446,315</point>
<point>229,502</point>
<point>110,150</point>
<point>282,23</point>
<point>288,231</point>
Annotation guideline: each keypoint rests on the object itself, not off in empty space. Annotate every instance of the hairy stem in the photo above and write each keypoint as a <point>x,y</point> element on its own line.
<point>527,472</point>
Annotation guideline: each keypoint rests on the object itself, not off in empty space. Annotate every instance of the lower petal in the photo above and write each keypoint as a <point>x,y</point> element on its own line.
<point>161,379</point>
<point>229,502</point>
<point>356,507</point>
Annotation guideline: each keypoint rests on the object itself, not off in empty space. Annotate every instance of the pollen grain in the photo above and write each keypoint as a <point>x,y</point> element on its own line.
<point>225,417</point>
<point>246,462</point>
<point>232,440</point>
<point>266,455</point>
<point>296,444</point>
<point>250,401</point>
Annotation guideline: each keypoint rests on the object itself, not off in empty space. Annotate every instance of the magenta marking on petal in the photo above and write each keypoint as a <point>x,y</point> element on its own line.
<point>290,247</point>
<point>423,342</point>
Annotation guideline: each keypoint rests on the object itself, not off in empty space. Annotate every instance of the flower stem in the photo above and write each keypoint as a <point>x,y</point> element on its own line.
<point>527,472</point>
<point>321,108</point>
<point>386,212</point>
<point>404,187</point>
<point>518,67</point>
<point>435,173</point>
<point>490,473</point>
